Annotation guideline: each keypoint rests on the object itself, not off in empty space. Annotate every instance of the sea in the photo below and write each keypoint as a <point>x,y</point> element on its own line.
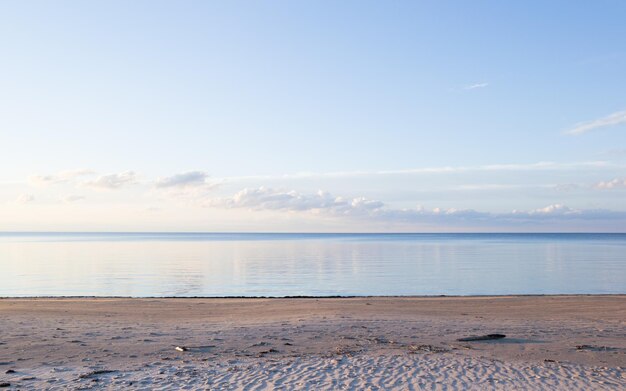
<point>278,264</point>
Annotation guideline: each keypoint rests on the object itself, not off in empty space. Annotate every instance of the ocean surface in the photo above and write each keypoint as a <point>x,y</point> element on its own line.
<point>224,264</point>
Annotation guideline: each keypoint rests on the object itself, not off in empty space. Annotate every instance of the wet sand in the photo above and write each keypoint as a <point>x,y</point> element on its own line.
<point>552,342</point>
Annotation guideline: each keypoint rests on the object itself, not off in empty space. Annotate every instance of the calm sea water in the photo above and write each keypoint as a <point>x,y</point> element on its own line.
<point>183,264</point>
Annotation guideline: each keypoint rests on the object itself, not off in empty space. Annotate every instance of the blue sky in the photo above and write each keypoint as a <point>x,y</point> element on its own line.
<point>317,116</point>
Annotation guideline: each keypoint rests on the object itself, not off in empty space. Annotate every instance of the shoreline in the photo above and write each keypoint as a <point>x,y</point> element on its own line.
<point>556,342</point>
<point>324,297</point>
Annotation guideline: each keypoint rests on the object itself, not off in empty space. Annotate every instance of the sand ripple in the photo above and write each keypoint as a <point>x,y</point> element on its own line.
<point>361,372</point>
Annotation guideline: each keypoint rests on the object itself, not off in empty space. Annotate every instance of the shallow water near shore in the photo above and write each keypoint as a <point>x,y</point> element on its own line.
<point>229,264</point>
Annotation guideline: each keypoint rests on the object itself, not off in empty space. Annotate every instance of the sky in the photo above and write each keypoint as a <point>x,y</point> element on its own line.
<point>321,116</point>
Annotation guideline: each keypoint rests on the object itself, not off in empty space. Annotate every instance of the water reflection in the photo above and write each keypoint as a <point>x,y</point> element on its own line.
<point>279,265</point>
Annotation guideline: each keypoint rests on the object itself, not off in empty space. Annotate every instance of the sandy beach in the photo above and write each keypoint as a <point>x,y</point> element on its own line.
<point>552,342</point>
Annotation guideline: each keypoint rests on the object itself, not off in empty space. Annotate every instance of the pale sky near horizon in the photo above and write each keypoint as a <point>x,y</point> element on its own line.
<point>312,116</point>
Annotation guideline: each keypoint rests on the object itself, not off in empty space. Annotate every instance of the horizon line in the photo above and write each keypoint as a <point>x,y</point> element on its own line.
<point>310,233</point>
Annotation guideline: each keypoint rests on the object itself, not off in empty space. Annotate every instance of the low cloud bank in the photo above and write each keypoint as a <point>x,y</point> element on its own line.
<point>325,204</point>
<point>264,198</point>
<point>617,183</point>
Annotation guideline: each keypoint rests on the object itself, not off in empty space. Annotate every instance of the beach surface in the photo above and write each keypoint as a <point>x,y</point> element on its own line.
<point>377,343</point>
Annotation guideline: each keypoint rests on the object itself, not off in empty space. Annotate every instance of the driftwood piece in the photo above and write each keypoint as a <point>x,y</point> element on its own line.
<point>96,373</point>
<point>595,348</point>
<point>487,337</point>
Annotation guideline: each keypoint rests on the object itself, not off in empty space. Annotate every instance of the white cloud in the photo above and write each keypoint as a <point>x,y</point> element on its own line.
<point>264,198</point>
<point>617,183</point>
<point>475,86</point>
<point>113,181</point>
<point>554,209</point>
<point>60,177</point>
<point>24,199</point>
<point>610,120</point>
<point>70,198</point>
<point>186,179</point>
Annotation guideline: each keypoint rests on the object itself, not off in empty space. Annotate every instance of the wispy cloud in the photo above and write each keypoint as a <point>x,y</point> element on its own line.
<point>538,166</point>
<point>475,86</point>
<point>60,177</point>
<point>191,186</point>
<point>201,179</point>
<point>113,181</point>
<point>610,120</point>
<point>186,179</point>
<point>494,187</point>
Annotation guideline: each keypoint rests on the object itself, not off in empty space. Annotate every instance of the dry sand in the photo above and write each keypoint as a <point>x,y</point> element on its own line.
<point>553,342</point>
